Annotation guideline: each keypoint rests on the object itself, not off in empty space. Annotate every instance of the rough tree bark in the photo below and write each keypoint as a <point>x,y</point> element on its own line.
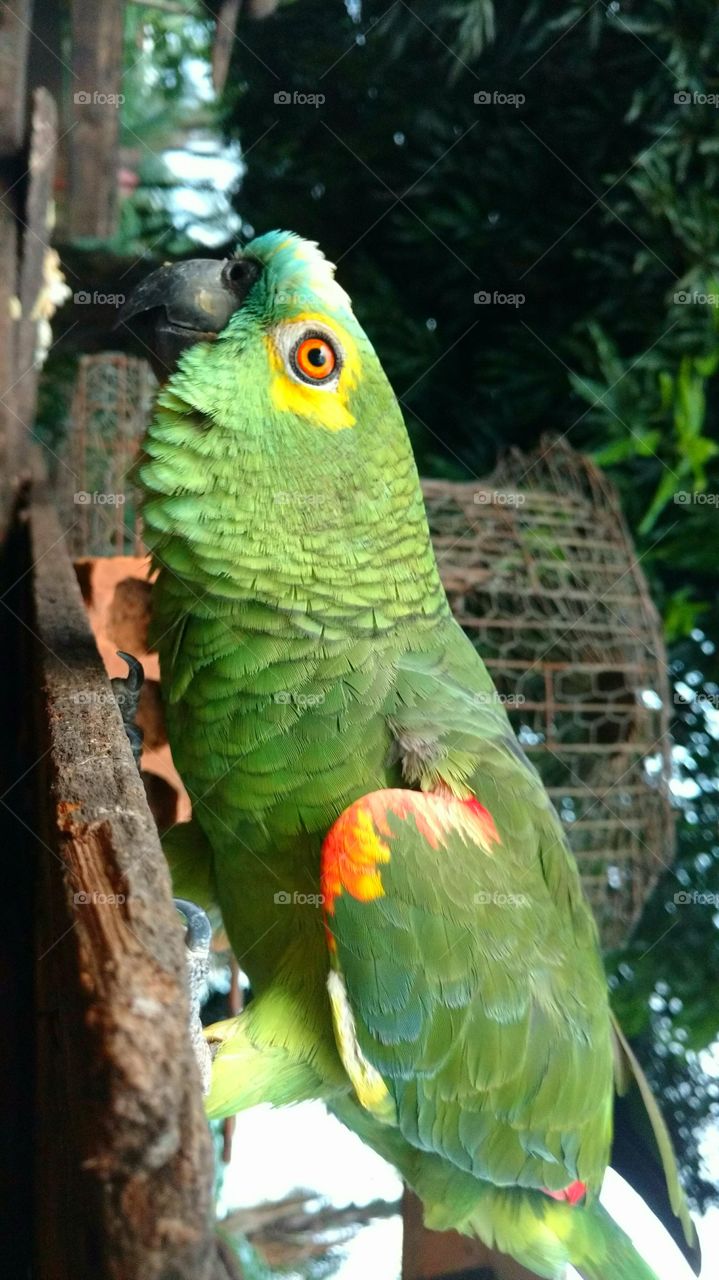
<point>124,1163</point>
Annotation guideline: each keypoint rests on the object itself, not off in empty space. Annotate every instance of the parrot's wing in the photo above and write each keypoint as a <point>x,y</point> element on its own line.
<point>467,1011</point>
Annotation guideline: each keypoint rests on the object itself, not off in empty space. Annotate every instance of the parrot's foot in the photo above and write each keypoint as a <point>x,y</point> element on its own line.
<point>127,695</point>
<point>198,936</point>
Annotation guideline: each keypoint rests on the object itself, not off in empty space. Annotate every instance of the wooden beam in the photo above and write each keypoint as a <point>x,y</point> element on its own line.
<point>124,1161</point>
<point>9,423</point>
<point>97,50</point>
<point>35,253</point>
<point>15,23</point>
<point>226,26</point>
<point>14,38</point>
<point>26,181</point>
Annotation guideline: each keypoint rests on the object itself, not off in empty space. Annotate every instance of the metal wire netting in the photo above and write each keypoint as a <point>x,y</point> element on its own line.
<point>111,404</point>
<point>542,575</point>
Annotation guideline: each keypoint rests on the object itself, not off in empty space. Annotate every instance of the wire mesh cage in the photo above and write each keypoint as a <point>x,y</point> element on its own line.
<point>111,403</point>
<point>541,573</point>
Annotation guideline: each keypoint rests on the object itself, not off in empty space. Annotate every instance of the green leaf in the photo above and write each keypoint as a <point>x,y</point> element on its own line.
<point>681,614</point>
<point>667,487</point>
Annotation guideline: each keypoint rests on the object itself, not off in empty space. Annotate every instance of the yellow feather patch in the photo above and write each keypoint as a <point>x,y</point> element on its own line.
<point>327,406</point>
<point>371,1090</point>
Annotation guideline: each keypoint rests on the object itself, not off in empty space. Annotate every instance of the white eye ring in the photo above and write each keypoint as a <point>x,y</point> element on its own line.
<point>289,340</point>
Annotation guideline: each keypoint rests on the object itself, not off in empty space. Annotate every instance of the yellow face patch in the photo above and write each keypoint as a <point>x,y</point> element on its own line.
<point>328,406</point>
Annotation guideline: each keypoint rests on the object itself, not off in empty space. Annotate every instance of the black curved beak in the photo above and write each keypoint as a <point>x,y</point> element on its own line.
<point>186,302</point>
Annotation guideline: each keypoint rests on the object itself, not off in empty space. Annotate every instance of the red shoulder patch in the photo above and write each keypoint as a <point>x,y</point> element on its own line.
<point>572,1194</point>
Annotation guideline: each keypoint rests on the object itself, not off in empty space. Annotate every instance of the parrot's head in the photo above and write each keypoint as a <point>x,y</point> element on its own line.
<point>275,415</point>
<point>272,320</point>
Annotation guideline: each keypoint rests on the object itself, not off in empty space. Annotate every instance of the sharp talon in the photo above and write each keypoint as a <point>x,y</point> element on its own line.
<point>198,930</point>
<point>135,677</point>
<point>127,695</point>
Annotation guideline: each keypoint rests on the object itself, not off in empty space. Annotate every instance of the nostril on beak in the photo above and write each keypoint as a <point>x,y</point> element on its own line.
<point>239,274</point>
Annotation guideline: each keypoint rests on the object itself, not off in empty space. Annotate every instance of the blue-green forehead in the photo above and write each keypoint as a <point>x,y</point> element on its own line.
<point>297,277</point>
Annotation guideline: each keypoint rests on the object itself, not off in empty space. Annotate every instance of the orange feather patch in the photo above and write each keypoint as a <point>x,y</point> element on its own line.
<point>354,848</point>
<point>350,856</point>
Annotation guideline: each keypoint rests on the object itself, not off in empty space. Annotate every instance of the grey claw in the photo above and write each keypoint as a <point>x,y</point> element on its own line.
<point>127,695</point>
<point>198,937</point>
<point>135,677</point>
<point>198,930</point>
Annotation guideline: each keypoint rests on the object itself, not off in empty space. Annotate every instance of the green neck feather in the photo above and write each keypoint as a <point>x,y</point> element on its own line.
<point>249,503</point>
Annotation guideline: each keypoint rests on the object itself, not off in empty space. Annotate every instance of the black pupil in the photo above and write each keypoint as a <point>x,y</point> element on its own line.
<point>317,357</point>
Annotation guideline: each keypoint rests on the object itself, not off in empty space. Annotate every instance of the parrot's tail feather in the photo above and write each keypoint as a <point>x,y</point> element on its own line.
<point>604,1252</point>
<point>547,1236</point>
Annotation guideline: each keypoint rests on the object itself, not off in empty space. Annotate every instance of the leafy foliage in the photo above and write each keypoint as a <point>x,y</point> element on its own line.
<point>165,102</point>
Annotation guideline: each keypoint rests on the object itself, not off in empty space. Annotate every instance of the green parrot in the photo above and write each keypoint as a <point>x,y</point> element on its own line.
<point>389,869</point>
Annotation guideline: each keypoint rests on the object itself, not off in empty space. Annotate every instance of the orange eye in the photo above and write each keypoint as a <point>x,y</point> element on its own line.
<point>314,359</point>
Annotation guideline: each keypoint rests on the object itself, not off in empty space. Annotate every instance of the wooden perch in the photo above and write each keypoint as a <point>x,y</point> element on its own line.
<point>15,23</point>
<point>124,1162</point>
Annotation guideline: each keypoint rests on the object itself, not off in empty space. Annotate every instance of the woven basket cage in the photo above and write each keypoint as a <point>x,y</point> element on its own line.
<point>542,575</point>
